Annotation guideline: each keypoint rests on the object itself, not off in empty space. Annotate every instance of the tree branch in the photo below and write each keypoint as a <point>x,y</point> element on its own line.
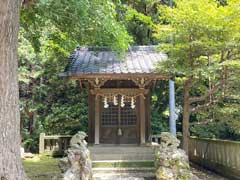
<point>205,96</point>
<point>207,121</point>
<point>203,107</point>
<point>28,3</point>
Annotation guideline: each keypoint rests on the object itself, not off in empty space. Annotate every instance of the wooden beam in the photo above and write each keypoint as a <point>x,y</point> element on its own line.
<point>125,91</point>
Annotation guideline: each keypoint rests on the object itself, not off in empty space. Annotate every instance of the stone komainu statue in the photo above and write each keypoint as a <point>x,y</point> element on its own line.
<point>77,165</point>
<point>172,163</point>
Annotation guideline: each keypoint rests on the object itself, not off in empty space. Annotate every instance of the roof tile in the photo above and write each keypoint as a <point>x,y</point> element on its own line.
<point>139,59</point>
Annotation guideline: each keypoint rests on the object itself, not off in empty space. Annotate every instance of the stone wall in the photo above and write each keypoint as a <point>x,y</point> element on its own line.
<point>220,156</point>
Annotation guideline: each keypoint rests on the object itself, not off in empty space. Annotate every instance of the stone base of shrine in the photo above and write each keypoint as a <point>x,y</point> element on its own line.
<point>122,153</point>
<point>122,162</point>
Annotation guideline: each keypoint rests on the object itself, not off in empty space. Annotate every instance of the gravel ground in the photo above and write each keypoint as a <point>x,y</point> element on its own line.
<point>205,174</point>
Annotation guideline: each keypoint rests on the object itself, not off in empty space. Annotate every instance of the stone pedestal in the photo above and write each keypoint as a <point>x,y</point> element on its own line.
<point>172,163</point>
<point>77,165</point>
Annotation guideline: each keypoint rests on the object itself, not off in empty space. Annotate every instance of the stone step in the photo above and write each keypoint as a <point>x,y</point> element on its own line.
<point>123,164</point>
<point>124,170</point>
<point>138,156</point>
<point>122,152</point>
<point>124,173</point>
<point>124,176</point>
<point>100,152</point>
<point>122,149</point>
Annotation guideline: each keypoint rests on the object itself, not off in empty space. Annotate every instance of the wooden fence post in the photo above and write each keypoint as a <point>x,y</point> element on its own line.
<point>41,143</point>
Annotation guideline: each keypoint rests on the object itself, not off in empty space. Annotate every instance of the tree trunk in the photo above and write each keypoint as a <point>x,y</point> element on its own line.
<point>186,115</point>
<point>10,161</point>
<point>31,124</point>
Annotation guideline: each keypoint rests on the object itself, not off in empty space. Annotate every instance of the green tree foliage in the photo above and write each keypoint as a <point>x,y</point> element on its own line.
<point>48,103</point>
<point>139,17</point>
<point>85,23</point>
<point>159,108</point>
<point>202,41</point>
<point>51,30</point>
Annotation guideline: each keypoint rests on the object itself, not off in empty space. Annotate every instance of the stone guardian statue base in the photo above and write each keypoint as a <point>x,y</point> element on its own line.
<point>172,163</point>
<point>77,165</point>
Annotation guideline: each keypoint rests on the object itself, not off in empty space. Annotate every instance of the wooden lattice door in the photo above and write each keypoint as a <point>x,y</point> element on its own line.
<point>119,125</point>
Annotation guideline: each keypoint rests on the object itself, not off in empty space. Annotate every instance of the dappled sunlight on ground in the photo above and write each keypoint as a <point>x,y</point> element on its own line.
<point>205,174</point>
<point>41,167</point>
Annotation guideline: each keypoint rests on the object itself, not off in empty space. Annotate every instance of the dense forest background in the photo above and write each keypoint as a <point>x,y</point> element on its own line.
<point>51,29</point>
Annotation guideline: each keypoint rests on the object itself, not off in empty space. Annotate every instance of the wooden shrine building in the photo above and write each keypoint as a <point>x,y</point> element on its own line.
<point>119,92</point>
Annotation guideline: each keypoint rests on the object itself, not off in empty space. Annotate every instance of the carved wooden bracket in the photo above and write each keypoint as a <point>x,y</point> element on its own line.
<point>97,83</point>
<point>142,82</point>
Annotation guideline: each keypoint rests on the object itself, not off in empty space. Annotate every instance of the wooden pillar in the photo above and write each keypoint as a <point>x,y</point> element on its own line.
<point>91,116</point>
<point>142,121</point>
<point>97,120</point>
<point>41,143</point>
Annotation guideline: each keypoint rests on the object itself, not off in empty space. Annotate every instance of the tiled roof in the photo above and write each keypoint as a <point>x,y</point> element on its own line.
<point>138,60</point>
